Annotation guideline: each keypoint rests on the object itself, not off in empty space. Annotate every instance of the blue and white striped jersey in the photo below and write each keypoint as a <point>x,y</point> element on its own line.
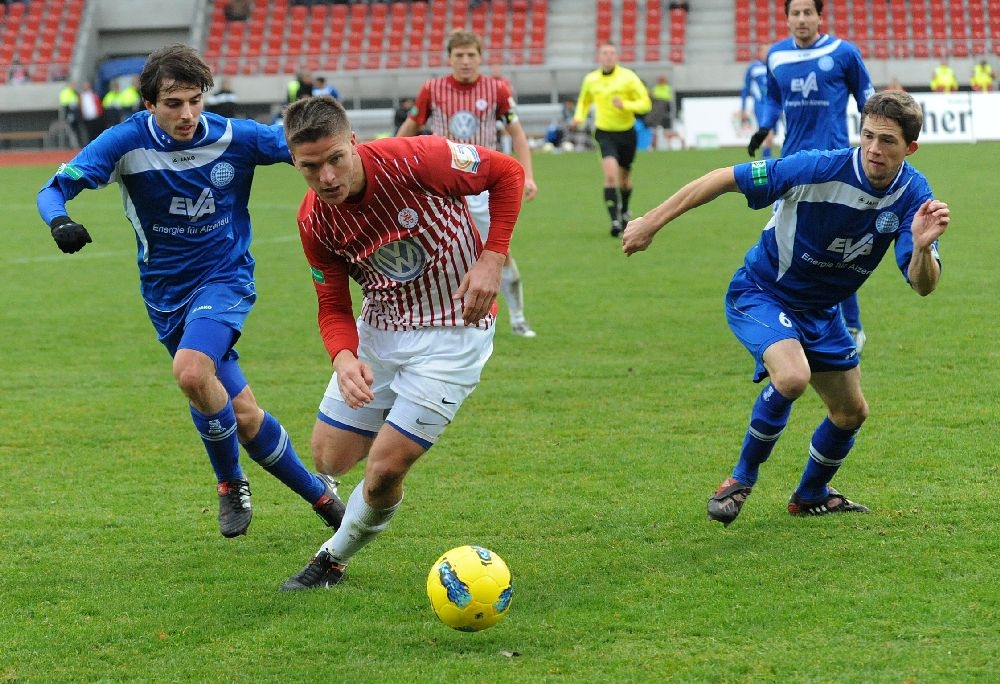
<point>811,86</point>
<point>829,228</point>
<point>186,201</point>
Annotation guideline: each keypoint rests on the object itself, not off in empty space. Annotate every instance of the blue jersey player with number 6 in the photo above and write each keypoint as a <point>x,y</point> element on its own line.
<point>810,77</point>
<point>185,178</point>
<point>836,215</point>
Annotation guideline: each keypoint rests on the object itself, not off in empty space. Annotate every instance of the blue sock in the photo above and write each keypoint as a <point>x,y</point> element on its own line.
<point>218,432</point>
<point>766,154</point>
<point>272,449</point>
<point>827,452</point>
<point>851,311</point>
<point>767,421</point>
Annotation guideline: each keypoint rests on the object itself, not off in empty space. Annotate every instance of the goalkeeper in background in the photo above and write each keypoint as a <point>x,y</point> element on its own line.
<point>810,77</point>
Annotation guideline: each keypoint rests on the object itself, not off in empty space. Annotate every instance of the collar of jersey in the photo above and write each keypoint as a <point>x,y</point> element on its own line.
<point>164,140</point>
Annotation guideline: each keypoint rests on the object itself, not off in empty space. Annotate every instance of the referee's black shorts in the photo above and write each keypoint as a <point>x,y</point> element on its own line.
<point>618,144</point>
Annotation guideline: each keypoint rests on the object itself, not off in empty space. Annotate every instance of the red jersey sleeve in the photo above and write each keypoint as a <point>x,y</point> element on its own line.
<point>422,105</point>
<point>453,168</point>
<point>337,325</point>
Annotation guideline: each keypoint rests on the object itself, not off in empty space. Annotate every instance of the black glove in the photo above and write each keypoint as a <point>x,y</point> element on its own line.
<point>756,139</point>
<point>68,234</point>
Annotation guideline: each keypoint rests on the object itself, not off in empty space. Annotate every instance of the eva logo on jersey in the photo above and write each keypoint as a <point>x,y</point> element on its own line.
<point>852,249</point>
<point>805,85</point>
<point>184,206</point>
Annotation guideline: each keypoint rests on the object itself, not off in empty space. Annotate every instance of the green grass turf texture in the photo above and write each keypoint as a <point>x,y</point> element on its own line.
<point>584,459</point>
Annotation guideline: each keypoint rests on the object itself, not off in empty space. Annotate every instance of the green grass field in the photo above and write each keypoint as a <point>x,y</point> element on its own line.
<point>584,459</point>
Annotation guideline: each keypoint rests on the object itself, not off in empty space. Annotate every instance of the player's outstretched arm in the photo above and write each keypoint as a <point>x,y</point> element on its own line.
<point>929,223</point>
<point>640,231</point>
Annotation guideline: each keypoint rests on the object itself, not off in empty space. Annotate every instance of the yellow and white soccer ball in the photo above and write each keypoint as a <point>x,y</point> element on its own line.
<point>469,588</point>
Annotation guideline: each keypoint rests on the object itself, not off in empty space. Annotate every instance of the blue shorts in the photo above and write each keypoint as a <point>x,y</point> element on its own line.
<point>226,303</point>
<point>759,319</point>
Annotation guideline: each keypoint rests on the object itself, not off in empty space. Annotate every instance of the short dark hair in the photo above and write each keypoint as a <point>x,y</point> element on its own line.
<point>817,3</point>
<point>898,106</point>
<point>178,63</point>
<point>313,118</point>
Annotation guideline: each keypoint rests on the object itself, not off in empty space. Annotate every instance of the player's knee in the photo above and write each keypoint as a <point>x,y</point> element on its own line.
<point>383,477</point>
<point>791,383</point>
<point>850,417</point>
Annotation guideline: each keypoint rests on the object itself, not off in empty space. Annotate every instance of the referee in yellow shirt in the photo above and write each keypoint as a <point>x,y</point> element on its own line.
<point>618,95</point>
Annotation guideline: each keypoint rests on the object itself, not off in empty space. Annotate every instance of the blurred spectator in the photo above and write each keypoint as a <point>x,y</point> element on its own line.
<point>894,84</point>
<point>982,77</point>
<point>661,116</point>
<point>129,99</point>
<point>91,112</point>
<point>321,88</point>
<point>237,10</point>
<point>405,105</point>
<point>679,5</point>
<point>944,80</point>
<point>69,105</point>
<point>17,74</point>
<point>301,86</point>
<point>112,104</point>
<point>223,101</point>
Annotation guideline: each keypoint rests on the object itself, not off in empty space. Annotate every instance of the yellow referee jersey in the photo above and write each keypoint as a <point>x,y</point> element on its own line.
<point>600,90</point>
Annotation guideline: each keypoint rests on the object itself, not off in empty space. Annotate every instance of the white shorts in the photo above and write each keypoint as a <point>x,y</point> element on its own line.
<point>479,207</point>
<point>422,377</point>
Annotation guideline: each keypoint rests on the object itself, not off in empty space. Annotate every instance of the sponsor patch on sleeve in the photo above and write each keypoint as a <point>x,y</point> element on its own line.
<point>70,170</point>
<point>464,157</point>
<point>318,275</point>
<point>758,172</point>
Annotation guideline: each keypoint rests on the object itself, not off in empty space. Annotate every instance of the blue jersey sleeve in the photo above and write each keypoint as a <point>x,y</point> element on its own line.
<point>859,81</point>
<point>93,167</point>
<point>271,146</point>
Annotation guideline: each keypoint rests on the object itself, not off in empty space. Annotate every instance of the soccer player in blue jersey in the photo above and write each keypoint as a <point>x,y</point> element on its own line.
<point>836,215</point>
<point>810,77</point>
<point>185,177</point>
<point>753,97</point>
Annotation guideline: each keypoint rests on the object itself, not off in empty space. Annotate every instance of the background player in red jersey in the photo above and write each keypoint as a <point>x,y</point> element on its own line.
<point>392,216</point>
<point>465,107</point>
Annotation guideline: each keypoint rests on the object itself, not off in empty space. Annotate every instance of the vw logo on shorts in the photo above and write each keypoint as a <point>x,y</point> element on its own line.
<point>463,126</point>
<point>887,222</point>
<point>222,174</point>
<point>402,260</point>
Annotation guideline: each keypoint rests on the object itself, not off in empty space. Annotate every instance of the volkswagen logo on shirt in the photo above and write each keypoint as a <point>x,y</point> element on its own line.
<point>401,261</point>
<point>222,174</point>
<point>463,126</point>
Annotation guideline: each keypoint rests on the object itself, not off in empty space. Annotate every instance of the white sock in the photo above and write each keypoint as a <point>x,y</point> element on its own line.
<point>361,524</point>
<point>513,293</point>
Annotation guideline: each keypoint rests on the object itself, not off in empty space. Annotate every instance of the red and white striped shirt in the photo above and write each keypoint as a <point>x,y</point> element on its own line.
<point>465,112</point>
<point>408,240</point>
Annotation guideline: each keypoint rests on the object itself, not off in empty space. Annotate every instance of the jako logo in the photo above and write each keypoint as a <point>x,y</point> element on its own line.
<point>805,85</point>
<point>183,206</point>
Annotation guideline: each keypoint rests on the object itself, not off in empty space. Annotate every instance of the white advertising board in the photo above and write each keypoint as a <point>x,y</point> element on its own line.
<point>952,117</point>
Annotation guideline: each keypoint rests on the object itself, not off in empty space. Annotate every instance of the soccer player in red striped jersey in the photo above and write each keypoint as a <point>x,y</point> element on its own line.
<point>466,107</point>
<point>392,216</point>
